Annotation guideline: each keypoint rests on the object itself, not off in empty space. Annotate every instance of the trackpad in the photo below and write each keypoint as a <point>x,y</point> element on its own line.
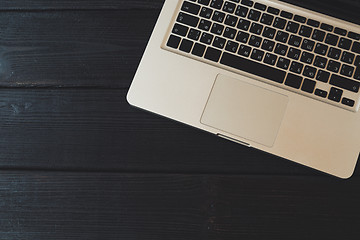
<point>245,110</point>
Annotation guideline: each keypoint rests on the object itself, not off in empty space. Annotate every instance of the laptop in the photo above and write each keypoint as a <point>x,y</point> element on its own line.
<point>265,74</point>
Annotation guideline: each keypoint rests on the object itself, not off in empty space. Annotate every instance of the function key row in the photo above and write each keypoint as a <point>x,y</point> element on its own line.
<point>229,6</point>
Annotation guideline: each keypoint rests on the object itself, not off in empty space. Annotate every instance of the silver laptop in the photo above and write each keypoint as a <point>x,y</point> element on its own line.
<point>264,74</point>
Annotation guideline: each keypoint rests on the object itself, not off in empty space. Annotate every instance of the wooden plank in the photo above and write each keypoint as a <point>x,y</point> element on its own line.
<point>87,129</point>
<point>78,4</point>
<point>38,205</point>
<point>73,48</point>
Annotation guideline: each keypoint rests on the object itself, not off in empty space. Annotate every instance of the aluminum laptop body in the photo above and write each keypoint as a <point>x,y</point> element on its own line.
<point>247,108</point>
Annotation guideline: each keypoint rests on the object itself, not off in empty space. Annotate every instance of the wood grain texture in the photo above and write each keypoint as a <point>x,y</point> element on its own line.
<point>99,206</point>
<point>45,5</point>
<point>72,48</point>
<point>89,129</point>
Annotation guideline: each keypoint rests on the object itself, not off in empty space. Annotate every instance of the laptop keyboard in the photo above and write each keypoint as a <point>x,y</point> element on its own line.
<point>301,54</point>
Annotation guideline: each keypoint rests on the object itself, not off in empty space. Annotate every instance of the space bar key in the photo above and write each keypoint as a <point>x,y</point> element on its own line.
<point>252,67</point>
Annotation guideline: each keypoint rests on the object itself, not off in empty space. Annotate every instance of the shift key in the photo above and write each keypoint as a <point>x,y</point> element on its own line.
<point>345,83</point>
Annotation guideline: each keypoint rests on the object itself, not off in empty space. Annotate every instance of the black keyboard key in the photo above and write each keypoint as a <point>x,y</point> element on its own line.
<point>231,46</point>
<point>268,45</point>
<point>294,53</point>
<point>186,45</point>
<point>331,39</point>
<point>345,43</point>
<point>282,36</point>
<point>279,23</point>
<point>293,81</point>
<point>180,30</point>
<point>347,70</point>
<point>321,93</point>
<point>345,83</point>
<point>260,6</point>
<point>340,31</point>
<point>204,25</point>
<point>295,41</point>
<point>318,35</point>
<point>356,47</point>
<point>229,33</point>
<point>307,57</point>
<point>296,67</point>
<point>198,50</point>
<point>348,57</point>
<point>247,3</point>
<point>217,28</point>
<point>270,59</point>
<point>274,11</point>
<point>188,19</point>
<point>244,50</point>
<point>190,8</point>
<point>252,67</point>
<point>309,72</point>
<point>357,73</point>
<point>241,11</point>
<point>308,45</point>
<point>281,49</point>
<point>255,41</point>
<point>204,2</point>
<point>269,32</point>
<point>219,42</point>
<point>206,12</point>
<point>229,7</point>
<point>300,19</point>
<point>256,28</point>
<point>216,4</point>
<point>254,15</point>
<point>321,49</point>
<point>320,62</point>
<point>173,41</point>
<point>243,24</point>
<point>242,37</point>
<point>335,94</point>
<point>286,14</point>
<point>334,53</point>
<point>313,23</point>
<point>333,66</point>
<point>231,20</point>
<point>218,17</point>
<point>348,102</point>
<point>206,38</point>
<point>323,76</point>
<point>267,19</point>
<point>194,34</point>
<point>292,27</point>
<point>283,63</point>
<point>257,55</point>
<point>305,31</point>
<point>212,54</point>
<point>357,61</point>
<point>308,86</point>
<point>354,36</point>
<point>326,27</point>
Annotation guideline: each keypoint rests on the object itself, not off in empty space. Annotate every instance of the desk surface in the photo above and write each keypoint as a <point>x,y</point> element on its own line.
<point>77,162</point>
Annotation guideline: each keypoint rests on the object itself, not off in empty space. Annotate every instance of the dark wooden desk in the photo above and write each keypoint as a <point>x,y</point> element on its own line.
<point>77,162</point>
